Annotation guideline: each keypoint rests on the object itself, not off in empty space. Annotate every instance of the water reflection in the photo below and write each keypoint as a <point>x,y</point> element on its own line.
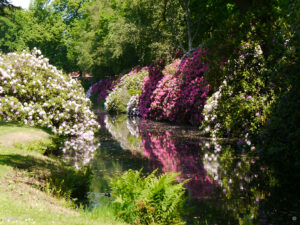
<point>125,132</point>
<point>173,150</point>
<point>166,148</point>
<point>226,185</point>
<point>240,178</point>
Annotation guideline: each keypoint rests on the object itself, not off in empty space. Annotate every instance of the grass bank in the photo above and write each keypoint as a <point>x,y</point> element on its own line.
<point>39,189</point>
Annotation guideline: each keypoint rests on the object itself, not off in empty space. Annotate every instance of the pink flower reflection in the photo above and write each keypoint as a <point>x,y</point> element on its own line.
<point>172,154</point>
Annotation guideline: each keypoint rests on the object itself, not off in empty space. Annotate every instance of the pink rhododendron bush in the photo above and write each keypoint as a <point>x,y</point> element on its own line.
<point>181,93</point>
<point>149,85</point>
<point>35,93</point>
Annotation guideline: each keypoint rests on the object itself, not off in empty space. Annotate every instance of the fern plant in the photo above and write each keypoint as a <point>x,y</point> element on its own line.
<point>148,200</point>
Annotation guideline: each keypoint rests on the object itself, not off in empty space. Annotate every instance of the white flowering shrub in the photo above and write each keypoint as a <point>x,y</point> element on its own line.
<point>35,93</point>
<point>210,115</point>
<point>241,104</point>
<point>133,106</point>
<point>129,85</point>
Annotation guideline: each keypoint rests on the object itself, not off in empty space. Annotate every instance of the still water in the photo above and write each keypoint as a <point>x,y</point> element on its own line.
<point>226,185</point>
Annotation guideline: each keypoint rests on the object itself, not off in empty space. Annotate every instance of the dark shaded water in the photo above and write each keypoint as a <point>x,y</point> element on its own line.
<point>226,185</point>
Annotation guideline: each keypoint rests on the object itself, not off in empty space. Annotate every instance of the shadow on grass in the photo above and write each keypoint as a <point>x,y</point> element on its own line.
<point>17,124</point>
<point>52,176</point>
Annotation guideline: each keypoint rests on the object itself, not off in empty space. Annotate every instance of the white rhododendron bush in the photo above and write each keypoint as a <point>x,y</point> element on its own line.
<point>35,93</point>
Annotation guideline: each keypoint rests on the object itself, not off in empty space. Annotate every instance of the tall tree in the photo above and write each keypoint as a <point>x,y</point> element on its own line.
<point>3,5</point>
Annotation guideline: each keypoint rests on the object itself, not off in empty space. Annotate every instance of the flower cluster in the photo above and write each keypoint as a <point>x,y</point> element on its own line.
<point>149,85</point>
<point>133,106</point>
<point>128,86</point>
<point>174,94</point>
<point>241,104</point>
<point>101,89</point>
<point>35,93</point>
<point>181,94</point>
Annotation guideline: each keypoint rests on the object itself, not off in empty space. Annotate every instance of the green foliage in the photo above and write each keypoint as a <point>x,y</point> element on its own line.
<point>125,34</point>
<point>69,183</point>
<point>242,102</point>
<point>9,32</point>
<point>42,146</point>
<point>128,86</point>
<point>149,200</point>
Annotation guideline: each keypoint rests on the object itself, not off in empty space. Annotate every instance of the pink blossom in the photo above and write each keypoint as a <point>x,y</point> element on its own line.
<point>178,95</point>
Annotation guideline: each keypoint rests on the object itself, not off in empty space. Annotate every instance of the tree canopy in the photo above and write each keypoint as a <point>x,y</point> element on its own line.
<point>110,37</point>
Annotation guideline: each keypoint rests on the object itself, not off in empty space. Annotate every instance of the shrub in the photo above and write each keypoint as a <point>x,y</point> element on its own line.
<point>100,89</point>
<point>129,85</point>
<point>180,95</point>
<point>241,104</point>
<point>133,106</point>
<point>149,85</point>
<point>35,93</point>
<point>149,200</point>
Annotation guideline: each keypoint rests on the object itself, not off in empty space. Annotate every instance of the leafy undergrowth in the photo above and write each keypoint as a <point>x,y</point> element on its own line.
<point>36,189</point>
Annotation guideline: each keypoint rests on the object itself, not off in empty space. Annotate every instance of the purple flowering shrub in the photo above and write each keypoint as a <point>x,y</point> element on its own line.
<point>148,87</point>
<point>101,89</point>
<point>181,94</point>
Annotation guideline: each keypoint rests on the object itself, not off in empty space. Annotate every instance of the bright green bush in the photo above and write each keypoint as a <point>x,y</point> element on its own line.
<point>129,85</point>
<point>149,200</point>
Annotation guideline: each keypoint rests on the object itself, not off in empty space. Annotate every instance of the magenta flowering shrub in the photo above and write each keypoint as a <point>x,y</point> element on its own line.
<point>181,93</point>
<point>149,85</point>
<point>165,87</point>
<point>101,88</point>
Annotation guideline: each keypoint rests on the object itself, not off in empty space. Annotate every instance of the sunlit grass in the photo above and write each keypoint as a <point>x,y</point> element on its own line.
<point>36,189</point>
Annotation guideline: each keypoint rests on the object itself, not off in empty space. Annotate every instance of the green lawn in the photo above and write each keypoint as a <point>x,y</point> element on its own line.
<point>26,195</point>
